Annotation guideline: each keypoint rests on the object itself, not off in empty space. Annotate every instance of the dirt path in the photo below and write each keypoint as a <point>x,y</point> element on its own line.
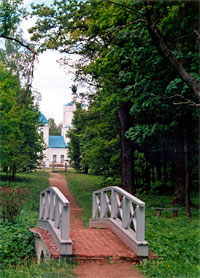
<point>93,268</point>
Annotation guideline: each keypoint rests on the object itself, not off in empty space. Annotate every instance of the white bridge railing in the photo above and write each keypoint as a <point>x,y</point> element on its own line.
<point>115,208</point>
<point>55,217</point>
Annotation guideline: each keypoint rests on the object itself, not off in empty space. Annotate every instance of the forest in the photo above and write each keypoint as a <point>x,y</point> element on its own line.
<point>140,60</point>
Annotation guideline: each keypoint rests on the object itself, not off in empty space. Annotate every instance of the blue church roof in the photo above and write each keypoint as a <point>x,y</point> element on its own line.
<point>56,141</point>
<point>43,119</point>
<point>70,103</point>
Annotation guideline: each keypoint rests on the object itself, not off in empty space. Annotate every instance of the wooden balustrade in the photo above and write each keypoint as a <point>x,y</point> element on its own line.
<point>124,213</point>
<point>55,217</point>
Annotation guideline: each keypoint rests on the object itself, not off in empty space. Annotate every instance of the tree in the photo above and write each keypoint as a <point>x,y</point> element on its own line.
<point>11,14</point>
<point>21,144</point>
<point>162,46</point>
<point>146,66</point>
<point>94,142</point>
<point>53,128</point>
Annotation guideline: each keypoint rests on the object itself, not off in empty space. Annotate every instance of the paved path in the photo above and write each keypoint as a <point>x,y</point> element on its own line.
<point>100,252</point>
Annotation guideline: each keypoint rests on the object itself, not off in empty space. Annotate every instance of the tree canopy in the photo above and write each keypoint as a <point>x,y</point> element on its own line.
<point>141,57</point>
<point>21,144</point>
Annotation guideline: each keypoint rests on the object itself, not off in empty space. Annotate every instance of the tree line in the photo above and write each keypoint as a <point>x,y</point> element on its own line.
<point>140,59</point>
<point>21,143</point>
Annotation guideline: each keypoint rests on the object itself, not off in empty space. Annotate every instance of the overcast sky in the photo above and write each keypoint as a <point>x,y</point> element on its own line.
<point>50,80</point>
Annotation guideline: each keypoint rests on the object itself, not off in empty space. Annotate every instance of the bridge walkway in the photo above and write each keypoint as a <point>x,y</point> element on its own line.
<point>88,243</point>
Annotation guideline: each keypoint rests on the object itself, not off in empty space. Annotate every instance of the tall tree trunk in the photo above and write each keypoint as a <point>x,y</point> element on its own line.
<point>153,174</point>
<point>164,168</point>
<point>127,159</point>
<point>159,172</point>
<point>187,191</point>
<point>179,194</point>
<point>86,168</point>
<point>148,177</point>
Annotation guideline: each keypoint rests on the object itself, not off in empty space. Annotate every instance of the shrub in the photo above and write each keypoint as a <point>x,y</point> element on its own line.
<point>16,241</point>
<point>11,201</point>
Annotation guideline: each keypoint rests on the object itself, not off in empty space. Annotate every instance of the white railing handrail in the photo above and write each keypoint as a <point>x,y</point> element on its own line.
<point>126,208</point>
<point>55,209</point>
<point>59,194</point>
<point>132,198</point>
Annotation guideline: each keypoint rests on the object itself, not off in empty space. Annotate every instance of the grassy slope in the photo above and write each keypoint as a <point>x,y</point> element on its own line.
<point>17,248</point>
<point>176,241</point>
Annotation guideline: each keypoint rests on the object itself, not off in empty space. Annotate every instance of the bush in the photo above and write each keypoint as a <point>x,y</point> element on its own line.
<point>11,201</point>
<point>19,207</point>
<point>16,241</point>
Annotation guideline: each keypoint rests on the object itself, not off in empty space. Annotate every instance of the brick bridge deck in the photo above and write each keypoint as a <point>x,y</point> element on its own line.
<point>87,243</point>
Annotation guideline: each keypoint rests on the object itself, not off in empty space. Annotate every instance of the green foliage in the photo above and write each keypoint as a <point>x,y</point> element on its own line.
<point>11,201</point>
<point>53,128</point>
<point>21,144</point>
<point>93,141</point>
<point>11,13</point>
<point>16,241</point>
<point>175,240</point>
<point>121,57</point>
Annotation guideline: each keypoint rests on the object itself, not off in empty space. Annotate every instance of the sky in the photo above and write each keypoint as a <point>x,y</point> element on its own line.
<point>50,79</point>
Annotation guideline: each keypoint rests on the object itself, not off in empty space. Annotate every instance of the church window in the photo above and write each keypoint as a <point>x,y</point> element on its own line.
<point>62,158</point>
<point>54,158</point>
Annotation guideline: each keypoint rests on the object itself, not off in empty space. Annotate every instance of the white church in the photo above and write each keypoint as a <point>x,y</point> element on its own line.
<point>56,151</point>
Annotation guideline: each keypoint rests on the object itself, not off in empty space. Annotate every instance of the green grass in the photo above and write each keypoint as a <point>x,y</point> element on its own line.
<point>81,186</point>
<point>17,249</point>
<point>175,241</point>
<point>50,269</point>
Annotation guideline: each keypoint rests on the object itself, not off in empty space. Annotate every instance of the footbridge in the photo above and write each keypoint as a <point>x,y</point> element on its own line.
<point>116,229</point>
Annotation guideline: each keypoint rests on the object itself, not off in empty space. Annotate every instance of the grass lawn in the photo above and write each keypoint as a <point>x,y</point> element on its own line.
<point>19,212</point>
<point>176,241</point>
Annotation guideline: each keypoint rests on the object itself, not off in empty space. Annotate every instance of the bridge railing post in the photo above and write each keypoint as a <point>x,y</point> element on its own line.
<point>140,231</point>
<point>55,217</point>
<point>115,203</point>
<point>65,222</point>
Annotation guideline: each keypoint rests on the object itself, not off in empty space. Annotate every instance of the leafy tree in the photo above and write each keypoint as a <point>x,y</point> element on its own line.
<point>92,144</point>
<point>21,144</point>
<point>142,59</point>
<point>53,128</point>
<point>74,134</point>
<point>11,14</point>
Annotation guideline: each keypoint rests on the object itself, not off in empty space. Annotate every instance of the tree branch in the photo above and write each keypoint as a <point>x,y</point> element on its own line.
<point>125,25</point>
<point>121,5</point>
<point>197,33</point>
<point>20,42</point>
<point>167,54</point>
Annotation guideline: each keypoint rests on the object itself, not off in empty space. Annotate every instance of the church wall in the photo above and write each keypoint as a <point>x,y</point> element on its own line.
<point>58,152</point>
<point>63,133</point>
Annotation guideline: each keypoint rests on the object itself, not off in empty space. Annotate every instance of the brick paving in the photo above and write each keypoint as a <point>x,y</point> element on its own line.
<point>90,243</point>
<point>97,244</point>
<point>100,253</point>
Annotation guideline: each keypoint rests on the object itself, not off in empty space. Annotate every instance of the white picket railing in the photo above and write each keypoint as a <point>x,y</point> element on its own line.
<point>125,212</point>
<point>55,217</point>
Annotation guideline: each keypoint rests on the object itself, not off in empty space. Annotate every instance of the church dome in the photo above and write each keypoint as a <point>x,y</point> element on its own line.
<point>43,119</point>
